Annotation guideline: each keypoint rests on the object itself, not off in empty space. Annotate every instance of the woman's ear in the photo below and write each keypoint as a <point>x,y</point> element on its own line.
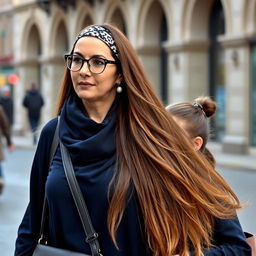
<point>119,79</point>
<point>197,142</point>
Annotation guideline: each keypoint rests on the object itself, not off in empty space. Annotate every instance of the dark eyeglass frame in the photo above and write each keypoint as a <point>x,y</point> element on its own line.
<point>106,61</point>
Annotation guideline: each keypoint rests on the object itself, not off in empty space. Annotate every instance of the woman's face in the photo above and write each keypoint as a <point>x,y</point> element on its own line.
<point>92,87</point>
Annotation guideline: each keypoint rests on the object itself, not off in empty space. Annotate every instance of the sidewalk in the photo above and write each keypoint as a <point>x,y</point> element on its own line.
<point>233,161</point>
<point>223,159</point>
<point>23,142</point>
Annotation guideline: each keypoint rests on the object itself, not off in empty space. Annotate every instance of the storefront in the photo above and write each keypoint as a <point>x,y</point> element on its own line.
<point>253,94</point>
<point>7,72</point>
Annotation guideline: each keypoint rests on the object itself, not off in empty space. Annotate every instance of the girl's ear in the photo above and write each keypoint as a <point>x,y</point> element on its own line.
<point>197,142</point>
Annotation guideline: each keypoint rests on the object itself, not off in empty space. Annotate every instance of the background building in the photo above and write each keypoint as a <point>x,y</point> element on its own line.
<point>188,48</point>
<point>6,52</point>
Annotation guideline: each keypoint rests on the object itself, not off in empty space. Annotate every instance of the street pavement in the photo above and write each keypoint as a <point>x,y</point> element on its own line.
<point>14,200</point>
<point>15,197</point>
<point>243,182</point>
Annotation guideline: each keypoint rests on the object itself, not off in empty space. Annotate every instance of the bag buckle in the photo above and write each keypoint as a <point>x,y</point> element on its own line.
<point>41,240</point>
<point>91,238</point>
<point>100,254</point>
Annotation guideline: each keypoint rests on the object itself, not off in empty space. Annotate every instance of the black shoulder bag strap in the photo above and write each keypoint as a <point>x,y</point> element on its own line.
<point>91,235</point>
<point>55,142</point>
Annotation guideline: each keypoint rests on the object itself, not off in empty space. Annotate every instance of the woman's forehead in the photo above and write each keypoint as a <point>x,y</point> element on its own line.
<point>89,45</point>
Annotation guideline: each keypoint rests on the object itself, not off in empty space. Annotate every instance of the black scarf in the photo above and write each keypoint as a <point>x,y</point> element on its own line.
<point>88,142</point>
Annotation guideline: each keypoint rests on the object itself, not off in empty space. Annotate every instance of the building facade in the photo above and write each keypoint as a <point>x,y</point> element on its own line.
<point>6,52</point>
<point>188,48</point>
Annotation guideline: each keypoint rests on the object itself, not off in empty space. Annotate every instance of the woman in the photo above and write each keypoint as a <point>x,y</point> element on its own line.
<point>131,160</point>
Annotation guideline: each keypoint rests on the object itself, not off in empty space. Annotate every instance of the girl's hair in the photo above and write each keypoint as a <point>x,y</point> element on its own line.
<point>179,192</point>
<point>196,118</point>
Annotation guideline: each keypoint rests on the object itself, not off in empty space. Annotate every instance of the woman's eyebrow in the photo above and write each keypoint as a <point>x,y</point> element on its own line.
<point>95,55</point>
<point>78,53</point>
<point>99,56</point>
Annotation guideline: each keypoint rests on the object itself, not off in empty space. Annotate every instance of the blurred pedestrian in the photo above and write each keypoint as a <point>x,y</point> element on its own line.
<point>194,120</point>
<point>147,190</point>
<point>6,132</point>
<point>33,102</point>
<point>7,103</point>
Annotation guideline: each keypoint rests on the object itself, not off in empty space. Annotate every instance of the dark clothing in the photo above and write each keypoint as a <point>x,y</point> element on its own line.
<point>33,101</point>
<point>7,104</point>
<point>92,149</point>
<point>4,131</point>
<point>33,123</point>
<point>229,239</point>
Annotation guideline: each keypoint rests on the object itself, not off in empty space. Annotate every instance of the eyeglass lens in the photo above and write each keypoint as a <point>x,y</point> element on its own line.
<point>95,65</point>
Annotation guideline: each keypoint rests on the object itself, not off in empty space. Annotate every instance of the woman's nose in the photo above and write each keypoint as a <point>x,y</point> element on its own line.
<point>85,68</point>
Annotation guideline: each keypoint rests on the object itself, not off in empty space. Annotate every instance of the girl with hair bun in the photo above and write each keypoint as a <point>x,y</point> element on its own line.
<point>194,120</point>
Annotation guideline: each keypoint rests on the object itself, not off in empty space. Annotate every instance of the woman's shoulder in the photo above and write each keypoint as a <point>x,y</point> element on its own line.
<point>48,130</point>
<point>50,126</point>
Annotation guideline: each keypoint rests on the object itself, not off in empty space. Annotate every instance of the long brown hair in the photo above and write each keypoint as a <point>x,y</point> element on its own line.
<point>179,192</point>
<point>196,118</point>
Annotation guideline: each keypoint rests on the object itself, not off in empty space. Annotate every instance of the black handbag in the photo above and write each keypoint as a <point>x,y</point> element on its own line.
<point>45,250</point>
<point>42,249</point>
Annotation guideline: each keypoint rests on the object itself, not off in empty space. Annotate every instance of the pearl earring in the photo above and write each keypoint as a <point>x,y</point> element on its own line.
<point>119,89</point>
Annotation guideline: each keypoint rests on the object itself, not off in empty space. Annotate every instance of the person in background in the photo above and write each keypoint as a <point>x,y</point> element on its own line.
<point>194,120</point>
<point>4,131</point>
<point>147,190</point>
<point>33,102</point>
<point>7,103</point>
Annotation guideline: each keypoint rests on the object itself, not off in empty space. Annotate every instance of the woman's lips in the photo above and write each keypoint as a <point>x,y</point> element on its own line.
<point>85,84</point>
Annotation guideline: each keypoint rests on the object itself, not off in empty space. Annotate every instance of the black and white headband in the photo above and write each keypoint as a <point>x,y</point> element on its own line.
<point>101,33</point>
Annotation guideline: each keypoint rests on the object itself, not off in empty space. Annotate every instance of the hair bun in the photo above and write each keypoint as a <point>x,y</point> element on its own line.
<point>208,105</point>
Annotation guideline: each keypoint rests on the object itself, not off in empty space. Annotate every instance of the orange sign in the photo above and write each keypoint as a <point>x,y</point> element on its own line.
<point>2,80</point>
<point>13,79</point>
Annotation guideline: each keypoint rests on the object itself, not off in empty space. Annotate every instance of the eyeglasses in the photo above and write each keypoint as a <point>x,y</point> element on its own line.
<point>96,65</point>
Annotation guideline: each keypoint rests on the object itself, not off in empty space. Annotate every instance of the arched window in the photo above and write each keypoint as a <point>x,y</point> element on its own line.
<point>86,22</point>
<point>33,52</point>
<point>61,40</point>
<point>118,20</point>
<point>253,94</point>
<point>163,62</point>
<point>217,68</point>
<point>34,44</point>
<point>155,56</point>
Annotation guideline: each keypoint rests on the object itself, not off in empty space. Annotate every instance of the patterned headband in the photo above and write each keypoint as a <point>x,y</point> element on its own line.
<point>101,33</point>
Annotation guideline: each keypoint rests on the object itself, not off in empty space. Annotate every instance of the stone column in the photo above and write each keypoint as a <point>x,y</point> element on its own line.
<point>237,56</point>
<point>150,57</point>
<point>188,70</point>
<point>52,76</point>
